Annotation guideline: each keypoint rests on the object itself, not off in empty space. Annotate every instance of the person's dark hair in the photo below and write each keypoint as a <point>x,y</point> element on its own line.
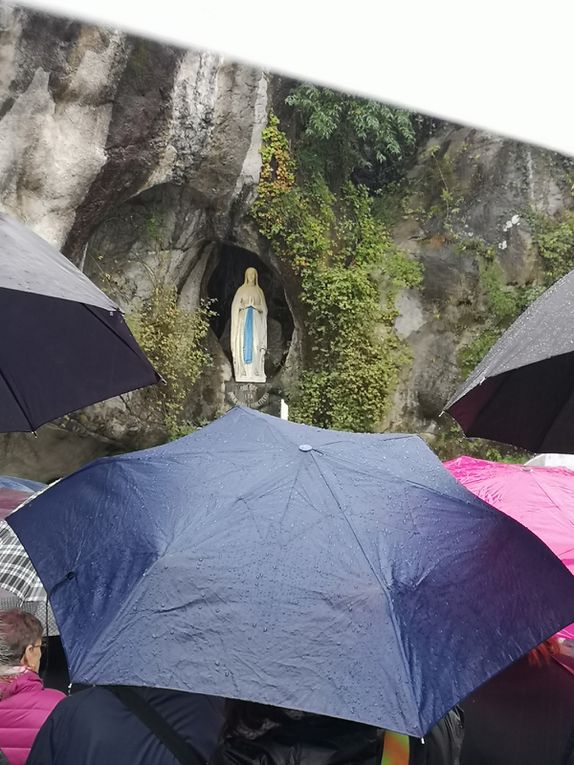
<point>248,714</point>
<point>18,630</point>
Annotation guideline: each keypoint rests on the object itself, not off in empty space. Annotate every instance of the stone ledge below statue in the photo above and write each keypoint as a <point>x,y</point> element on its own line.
<point>253,395</point>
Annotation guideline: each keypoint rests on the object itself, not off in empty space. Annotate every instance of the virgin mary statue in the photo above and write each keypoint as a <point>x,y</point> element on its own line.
<point>249,330</point>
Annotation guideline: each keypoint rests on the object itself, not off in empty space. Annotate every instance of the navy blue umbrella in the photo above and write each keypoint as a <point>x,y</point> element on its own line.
<point>65,344</point>
<point>338,573</point>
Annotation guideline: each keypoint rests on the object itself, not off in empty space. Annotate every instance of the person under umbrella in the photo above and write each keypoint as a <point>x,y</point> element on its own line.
<point>20,586</point>
<point>24,702</point>
<point>129,726</point>
<point>255,734</point>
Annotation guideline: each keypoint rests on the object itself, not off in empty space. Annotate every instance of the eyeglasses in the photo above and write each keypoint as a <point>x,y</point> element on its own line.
<point>41,645</point>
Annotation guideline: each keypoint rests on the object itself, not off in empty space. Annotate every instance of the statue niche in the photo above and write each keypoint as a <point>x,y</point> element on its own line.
<point>249,330</point>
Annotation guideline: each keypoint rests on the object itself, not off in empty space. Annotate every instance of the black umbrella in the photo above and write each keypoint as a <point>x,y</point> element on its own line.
<point>65,344</point>
<point>522,393</point>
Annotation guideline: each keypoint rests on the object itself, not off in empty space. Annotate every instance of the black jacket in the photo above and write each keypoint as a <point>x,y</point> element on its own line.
<point>305,740</point>
<point>523,716</point>
<point>314,740</point>
<point>93,727</point>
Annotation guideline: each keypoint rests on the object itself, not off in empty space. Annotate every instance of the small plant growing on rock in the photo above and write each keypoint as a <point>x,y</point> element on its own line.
<point>173,339</point>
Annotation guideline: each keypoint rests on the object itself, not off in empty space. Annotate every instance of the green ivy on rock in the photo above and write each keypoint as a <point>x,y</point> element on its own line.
<point>335,246</point>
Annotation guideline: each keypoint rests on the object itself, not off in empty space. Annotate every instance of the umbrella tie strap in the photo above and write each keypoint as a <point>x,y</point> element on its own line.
<point>396,749</point>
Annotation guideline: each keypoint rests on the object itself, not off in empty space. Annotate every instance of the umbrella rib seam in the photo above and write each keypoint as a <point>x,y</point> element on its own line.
<point>9,386</point>
<point>443,495</point>
<point>382,588</point>
<point>92,310</point>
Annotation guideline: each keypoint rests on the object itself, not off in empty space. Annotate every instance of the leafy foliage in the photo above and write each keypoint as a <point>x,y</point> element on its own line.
<point>173,340</point>
<point>334,245</point>
<point>555,242</point>
<point>498,306</point>
<point>451,443</point>
<point>343,133</point>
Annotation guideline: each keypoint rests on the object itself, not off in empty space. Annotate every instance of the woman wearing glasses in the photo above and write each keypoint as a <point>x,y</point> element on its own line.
<point>24,702</point>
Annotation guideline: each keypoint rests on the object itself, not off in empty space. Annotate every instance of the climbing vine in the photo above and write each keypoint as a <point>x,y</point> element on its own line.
<point>336,247</point>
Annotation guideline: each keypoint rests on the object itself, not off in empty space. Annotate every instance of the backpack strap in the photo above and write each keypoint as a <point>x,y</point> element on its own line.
<point>396,749</point>
<point>177,745</point>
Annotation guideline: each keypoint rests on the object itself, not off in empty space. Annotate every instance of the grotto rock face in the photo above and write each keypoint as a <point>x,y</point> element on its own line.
<point>137,160</point>
<point>467,191</point>
<point>140,161</point>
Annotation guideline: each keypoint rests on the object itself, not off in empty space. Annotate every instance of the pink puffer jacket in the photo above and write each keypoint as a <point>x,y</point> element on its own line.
<point>24,706</point>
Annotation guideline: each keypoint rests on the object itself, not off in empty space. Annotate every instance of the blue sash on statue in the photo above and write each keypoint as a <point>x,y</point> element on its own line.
<point>248,336</point>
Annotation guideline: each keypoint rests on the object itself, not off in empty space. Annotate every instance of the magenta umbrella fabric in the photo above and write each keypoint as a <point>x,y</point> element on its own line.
<point>540,498</point>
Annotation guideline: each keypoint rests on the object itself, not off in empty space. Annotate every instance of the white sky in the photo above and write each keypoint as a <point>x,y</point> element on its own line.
<point>502,66</point>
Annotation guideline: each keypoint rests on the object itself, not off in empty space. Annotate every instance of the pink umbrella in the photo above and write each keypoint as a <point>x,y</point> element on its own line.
<point>540,498</point>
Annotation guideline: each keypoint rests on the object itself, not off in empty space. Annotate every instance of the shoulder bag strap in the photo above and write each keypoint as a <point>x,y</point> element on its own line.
<point>178,746</point>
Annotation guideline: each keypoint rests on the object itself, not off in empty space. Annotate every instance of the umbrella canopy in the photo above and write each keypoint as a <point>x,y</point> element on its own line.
<point>13,491</point>
<point>542,499</point>
<point>339,573</point>
<point>20,585</point>
<point>23,485</point>
<point>64,343</point>
<point>522,392</point>
<point>17,574</point>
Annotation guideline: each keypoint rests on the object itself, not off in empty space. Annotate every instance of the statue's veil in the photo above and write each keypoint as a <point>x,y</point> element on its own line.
<point>247,272</point>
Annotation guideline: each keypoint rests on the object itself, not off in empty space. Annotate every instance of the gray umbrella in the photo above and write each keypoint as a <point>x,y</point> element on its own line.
<point>65,344</point>
<point>522,393</point>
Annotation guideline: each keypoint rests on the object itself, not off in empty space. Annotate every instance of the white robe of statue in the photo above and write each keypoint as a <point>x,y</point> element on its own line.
<point>249,330</point>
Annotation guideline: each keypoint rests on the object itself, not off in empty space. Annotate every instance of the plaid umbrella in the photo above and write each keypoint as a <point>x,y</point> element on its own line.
<point>17,574</point>
<point>20,585</point>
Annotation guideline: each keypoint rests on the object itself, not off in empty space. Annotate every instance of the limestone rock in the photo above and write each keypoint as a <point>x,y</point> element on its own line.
<point>141,160</point>
<point>132,157</point>
<point>466,188</point>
